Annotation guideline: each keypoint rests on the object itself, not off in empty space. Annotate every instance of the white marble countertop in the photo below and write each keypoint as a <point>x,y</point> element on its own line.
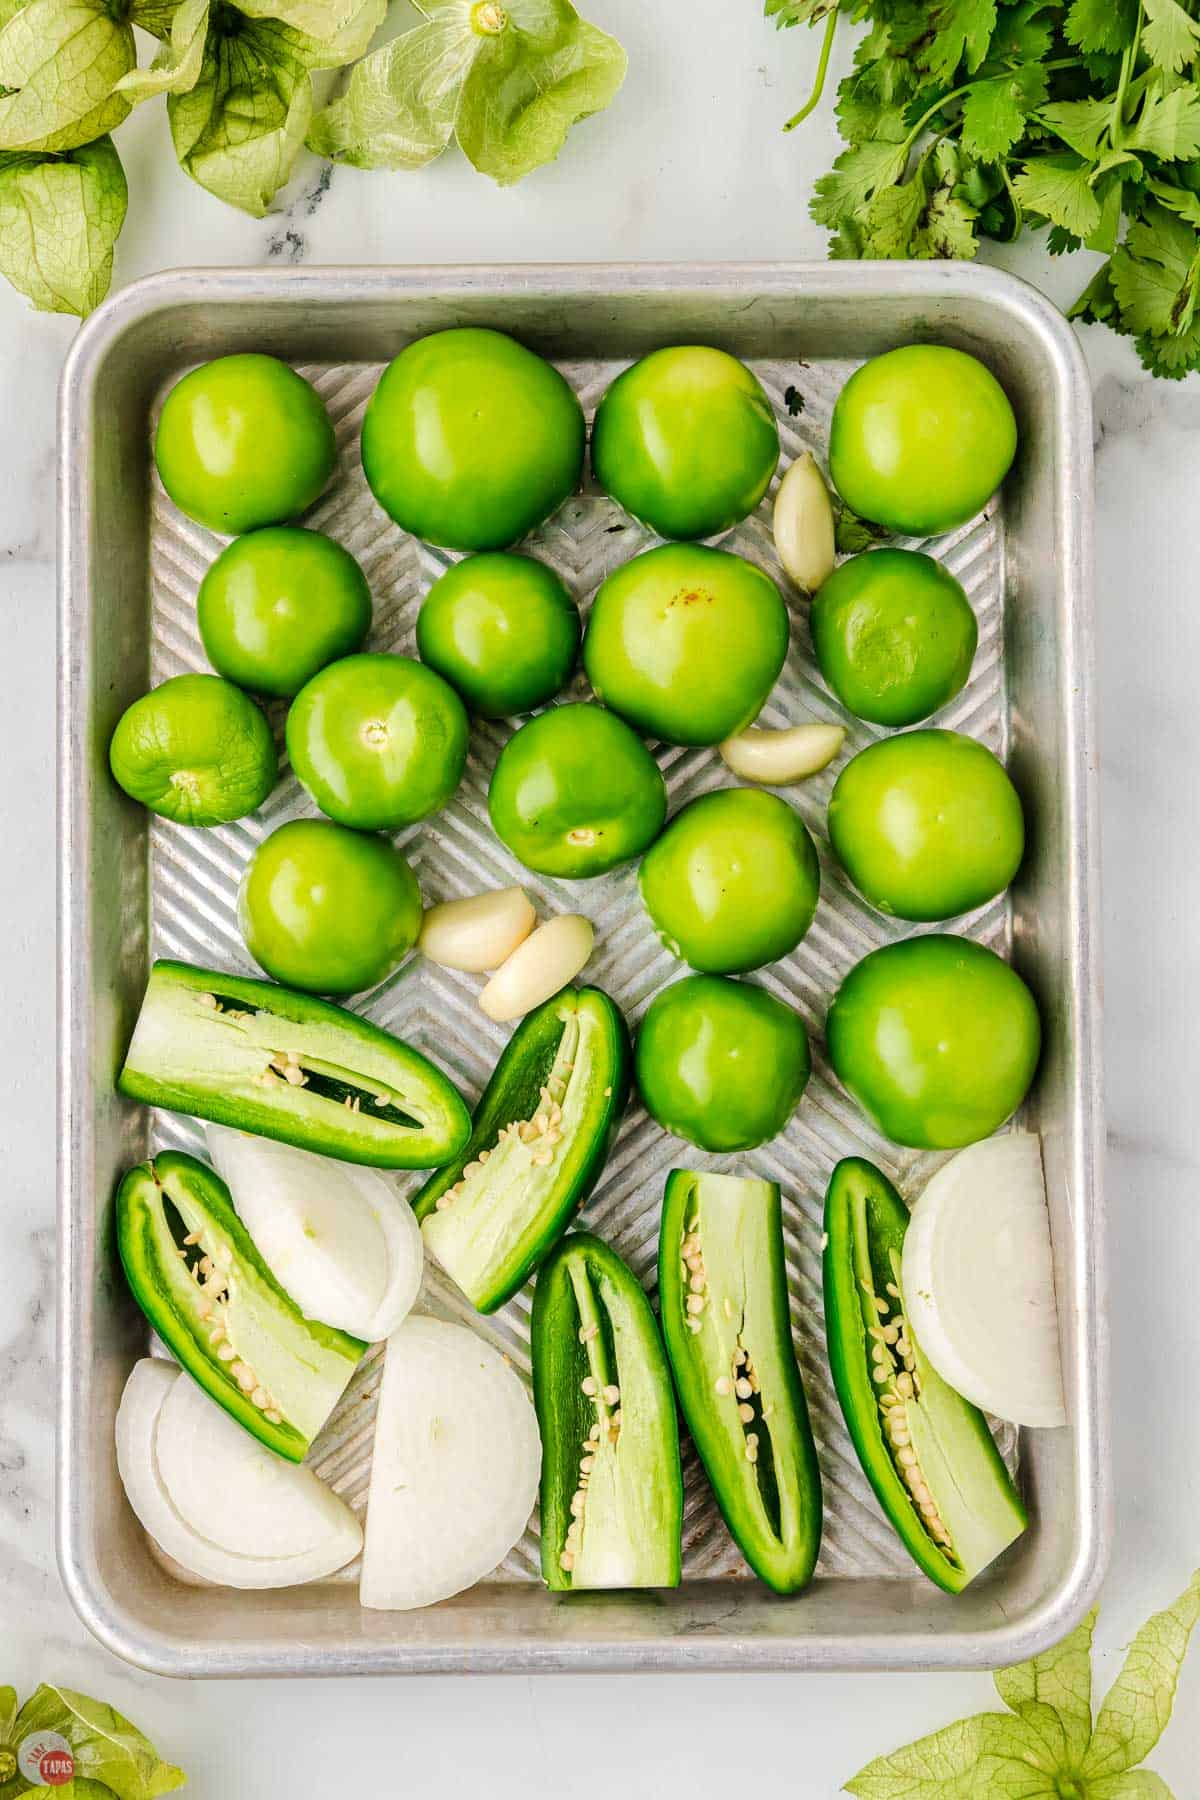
<point>689,163</point>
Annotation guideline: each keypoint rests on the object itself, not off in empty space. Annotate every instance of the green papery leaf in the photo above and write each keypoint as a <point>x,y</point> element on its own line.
<point>398,109</point>
<point>1060,1678</point>
<point>1138,1705</point>
<point>61,61</point>
<point>8,1712</point>
<point>1170,37</point>
<point>1056,187</point>
<point>60,217</point>
<point>320,33</point>
<point>239,130</point>
<point>989,1754</point>
<point>106,1747</point>
<point>530,83</point>
<point>1135,1784</point>
<point>177,67</point>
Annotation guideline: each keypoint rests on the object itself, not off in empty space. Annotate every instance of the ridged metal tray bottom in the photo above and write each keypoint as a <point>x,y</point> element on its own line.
<point>1021,565</point>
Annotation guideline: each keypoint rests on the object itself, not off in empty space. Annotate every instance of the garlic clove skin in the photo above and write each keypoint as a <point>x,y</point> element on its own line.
<point>803,524</point>
<point>780,758</point>
<point>548,959</point>
<point>476,935</point>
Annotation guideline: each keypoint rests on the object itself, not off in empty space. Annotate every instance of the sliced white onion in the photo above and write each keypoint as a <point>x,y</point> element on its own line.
<point>456,1465</point>
<point>477,934</point>
<point>338,1238</point>
<point>978,1280</point>
<point>219,1503</point>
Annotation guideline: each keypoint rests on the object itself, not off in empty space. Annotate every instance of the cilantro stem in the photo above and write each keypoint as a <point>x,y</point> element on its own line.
<point>818,87</point>
<point>1116,129</point>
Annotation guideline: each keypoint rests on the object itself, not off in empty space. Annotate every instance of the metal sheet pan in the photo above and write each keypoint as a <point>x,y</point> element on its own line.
<point>131,889</point>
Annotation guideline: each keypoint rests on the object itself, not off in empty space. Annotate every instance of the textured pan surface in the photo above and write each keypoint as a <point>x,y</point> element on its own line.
<point>194,878</point>
<point>129,568</point>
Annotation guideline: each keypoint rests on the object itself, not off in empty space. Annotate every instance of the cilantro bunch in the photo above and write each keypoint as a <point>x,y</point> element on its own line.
<point>508,78</point>
<point>976,118</point>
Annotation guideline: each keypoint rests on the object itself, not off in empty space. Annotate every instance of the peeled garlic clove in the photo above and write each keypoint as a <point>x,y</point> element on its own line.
<point>778,758</point>
<point>477,934</point>
<point>539,967</point>
<point>803,524</point>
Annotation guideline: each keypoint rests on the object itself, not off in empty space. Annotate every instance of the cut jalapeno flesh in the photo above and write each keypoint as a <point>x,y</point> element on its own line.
<point>261,1058</point>
<point>611,1492</point>
<point>194,1271</point>
<point>723,1290</point>
<point>541,1135</point>
<point>926,1451</point>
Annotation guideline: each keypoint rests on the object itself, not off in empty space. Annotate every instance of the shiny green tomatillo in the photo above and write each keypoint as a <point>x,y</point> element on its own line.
<point>686,440</point>
<point>470,439</point>
<point>611,1493</point>
<point>541,1136</point>
<point>196,1274</point>
<point>926,1451</point>
<point>288,1066</point>
<point>723,1294</point>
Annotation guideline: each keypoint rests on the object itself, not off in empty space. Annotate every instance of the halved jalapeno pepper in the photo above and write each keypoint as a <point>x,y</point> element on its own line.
<point>541,1136</point>
<point>611,1492</point>
<point>723,1291</point>
<point>261,1058</point>
<point>926,1451</point>
<point>196,1274</point>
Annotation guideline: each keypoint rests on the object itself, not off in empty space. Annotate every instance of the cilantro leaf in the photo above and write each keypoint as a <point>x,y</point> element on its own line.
<point>1138,1705</point>
<point>1083,124</point>
<point>995,111</point>
<point>1023,33</point>
<point>799,12</point>
<point>1155,272</point>
<point>1170,36</point>
<point>1055,187</point>
<point>1101,25</point>
<point>857,174</point>
<point>1168,124</point>
<point>960,32</point>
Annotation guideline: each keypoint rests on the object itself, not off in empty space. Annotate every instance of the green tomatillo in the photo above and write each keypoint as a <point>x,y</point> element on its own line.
<point>927,824</point>
<point>195,749</point>
<point>244,441</point>
<point>894,635</point>
<point>921,437</point>
<point>503,630</point>
<point>686,440</point>
<point>721,1063</point>
<point>937,1038</point>
<point>378,741</point>
<point>326,909</point>
<point>686,642</point>
<point>575,792</point>
<point>470,440</point>
<point>278,604</point>
<point>733,881</point>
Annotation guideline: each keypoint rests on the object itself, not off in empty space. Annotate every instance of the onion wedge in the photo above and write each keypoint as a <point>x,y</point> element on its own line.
<point>978,1280</point>
<point>337,1237</point>
<point>456,1466</point>
<point>218,1503</point>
